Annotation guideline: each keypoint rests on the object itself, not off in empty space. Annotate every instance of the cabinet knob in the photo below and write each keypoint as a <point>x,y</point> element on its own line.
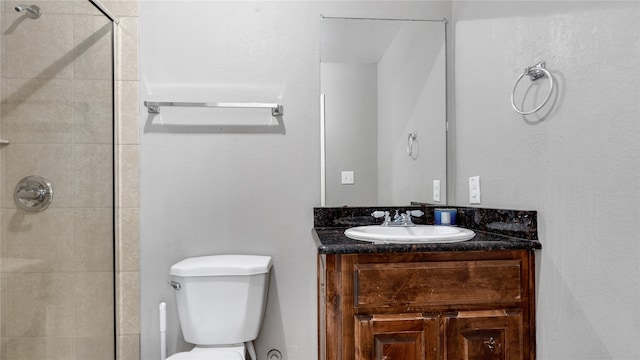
<point>491,343</point>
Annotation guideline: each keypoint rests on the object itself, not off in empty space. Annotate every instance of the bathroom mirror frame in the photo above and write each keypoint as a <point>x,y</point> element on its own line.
<point>402,173</point>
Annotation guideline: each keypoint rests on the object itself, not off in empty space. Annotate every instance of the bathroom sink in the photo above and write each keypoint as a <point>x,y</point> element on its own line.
<point>407,235</point>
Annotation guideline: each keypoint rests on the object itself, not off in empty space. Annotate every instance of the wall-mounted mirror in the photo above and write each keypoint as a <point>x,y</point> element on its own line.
<point>383,85</point>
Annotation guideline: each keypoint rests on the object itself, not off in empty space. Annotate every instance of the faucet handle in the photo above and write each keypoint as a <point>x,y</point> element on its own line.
<point>407,216</point>
<point>378,214</point>
<point>417,213</point>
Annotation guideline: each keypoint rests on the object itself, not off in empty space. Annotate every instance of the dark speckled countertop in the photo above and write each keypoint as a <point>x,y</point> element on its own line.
<point>496,229</point>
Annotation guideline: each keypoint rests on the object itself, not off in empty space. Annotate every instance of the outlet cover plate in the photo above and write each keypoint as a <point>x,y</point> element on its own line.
<point>347,178</point>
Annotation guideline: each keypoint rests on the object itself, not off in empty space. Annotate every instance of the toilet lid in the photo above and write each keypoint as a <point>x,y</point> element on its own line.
<point>205,355</point>
<point>222,265</point>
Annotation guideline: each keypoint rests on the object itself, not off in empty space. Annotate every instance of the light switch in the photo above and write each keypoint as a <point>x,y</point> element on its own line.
<point>474,190</point>
<point>436,190</point>
<point>347,178</point>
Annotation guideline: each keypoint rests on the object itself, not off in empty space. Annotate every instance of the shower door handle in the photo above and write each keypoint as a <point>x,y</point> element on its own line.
<point>33,193</point>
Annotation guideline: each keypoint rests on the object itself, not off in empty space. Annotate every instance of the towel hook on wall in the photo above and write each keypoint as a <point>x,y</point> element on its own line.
<point>535,72</point>
<point>411,140</point>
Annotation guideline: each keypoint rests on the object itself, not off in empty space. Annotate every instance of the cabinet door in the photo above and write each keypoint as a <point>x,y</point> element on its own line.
<point>396,337</point>
<point>484,335</point>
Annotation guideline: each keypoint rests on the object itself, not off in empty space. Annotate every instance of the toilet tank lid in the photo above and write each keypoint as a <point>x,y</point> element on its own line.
<point>222,265</point>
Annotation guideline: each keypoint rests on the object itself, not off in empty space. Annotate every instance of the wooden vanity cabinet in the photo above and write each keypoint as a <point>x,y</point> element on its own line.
<point>475,305</point>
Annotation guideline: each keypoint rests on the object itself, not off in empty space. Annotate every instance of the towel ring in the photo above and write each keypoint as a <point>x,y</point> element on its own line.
<point>535,72</point>
<point>411,138</point>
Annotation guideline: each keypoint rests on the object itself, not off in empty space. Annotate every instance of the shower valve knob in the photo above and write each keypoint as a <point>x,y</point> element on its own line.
<point>33,193</point>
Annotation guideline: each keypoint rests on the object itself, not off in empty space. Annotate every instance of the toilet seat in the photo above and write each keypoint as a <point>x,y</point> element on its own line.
<point>205,355</point>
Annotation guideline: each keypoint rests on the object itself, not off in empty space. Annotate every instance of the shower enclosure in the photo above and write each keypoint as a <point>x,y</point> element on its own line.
<point>56,181</point>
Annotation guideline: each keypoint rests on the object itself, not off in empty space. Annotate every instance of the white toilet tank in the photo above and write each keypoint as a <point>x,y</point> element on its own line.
<point>222,298</point>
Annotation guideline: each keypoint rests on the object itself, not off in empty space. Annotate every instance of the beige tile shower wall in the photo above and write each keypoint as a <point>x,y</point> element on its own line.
<point>2,171</point>
<point>1,177</point>
<point>127,190</point>
<point>126,154</point>
<point>53,69</point>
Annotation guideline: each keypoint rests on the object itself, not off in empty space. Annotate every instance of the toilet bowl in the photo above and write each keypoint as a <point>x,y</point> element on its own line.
<point>221,301</point>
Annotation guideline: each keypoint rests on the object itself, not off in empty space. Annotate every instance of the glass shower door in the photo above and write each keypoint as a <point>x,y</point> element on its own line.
<point>56,124</point>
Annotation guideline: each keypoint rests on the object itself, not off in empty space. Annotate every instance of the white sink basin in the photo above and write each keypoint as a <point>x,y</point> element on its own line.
<point>413,234</point>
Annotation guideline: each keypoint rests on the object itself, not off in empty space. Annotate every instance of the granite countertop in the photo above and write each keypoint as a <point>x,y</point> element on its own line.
<point>496,229</point>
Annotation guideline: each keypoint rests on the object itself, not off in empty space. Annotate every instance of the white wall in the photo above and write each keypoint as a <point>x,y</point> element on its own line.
<point>222,188</point>
<point>351,132</point>
<point>578,166</point>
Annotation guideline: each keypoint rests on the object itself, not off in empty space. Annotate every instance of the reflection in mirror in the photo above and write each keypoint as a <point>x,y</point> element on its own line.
<point>383,85</point>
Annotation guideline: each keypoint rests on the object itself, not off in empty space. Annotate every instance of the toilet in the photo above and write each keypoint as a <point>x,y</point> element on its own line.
<point>221,301</point>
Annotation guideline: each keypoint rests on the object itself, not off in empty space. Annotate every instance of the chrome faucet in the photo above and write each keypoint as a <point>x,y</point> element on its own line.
<point>398,219</point>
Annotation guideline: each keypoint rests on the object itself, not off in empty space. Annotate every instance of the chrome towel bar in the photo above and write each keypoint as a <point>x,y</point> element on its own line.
<point>153,107</point>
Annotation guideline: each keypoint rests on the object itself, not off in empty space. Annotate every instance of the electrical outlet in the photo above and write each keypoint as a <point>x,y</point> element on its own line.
<point>436,190</point>
<point>347,178</point>
<point>474,190</point>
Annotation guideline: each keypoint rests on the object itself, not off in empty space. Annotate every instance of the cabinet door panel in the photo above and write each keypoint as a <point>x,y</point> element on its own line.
<point>484,335</point>
<point>396,337</point>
